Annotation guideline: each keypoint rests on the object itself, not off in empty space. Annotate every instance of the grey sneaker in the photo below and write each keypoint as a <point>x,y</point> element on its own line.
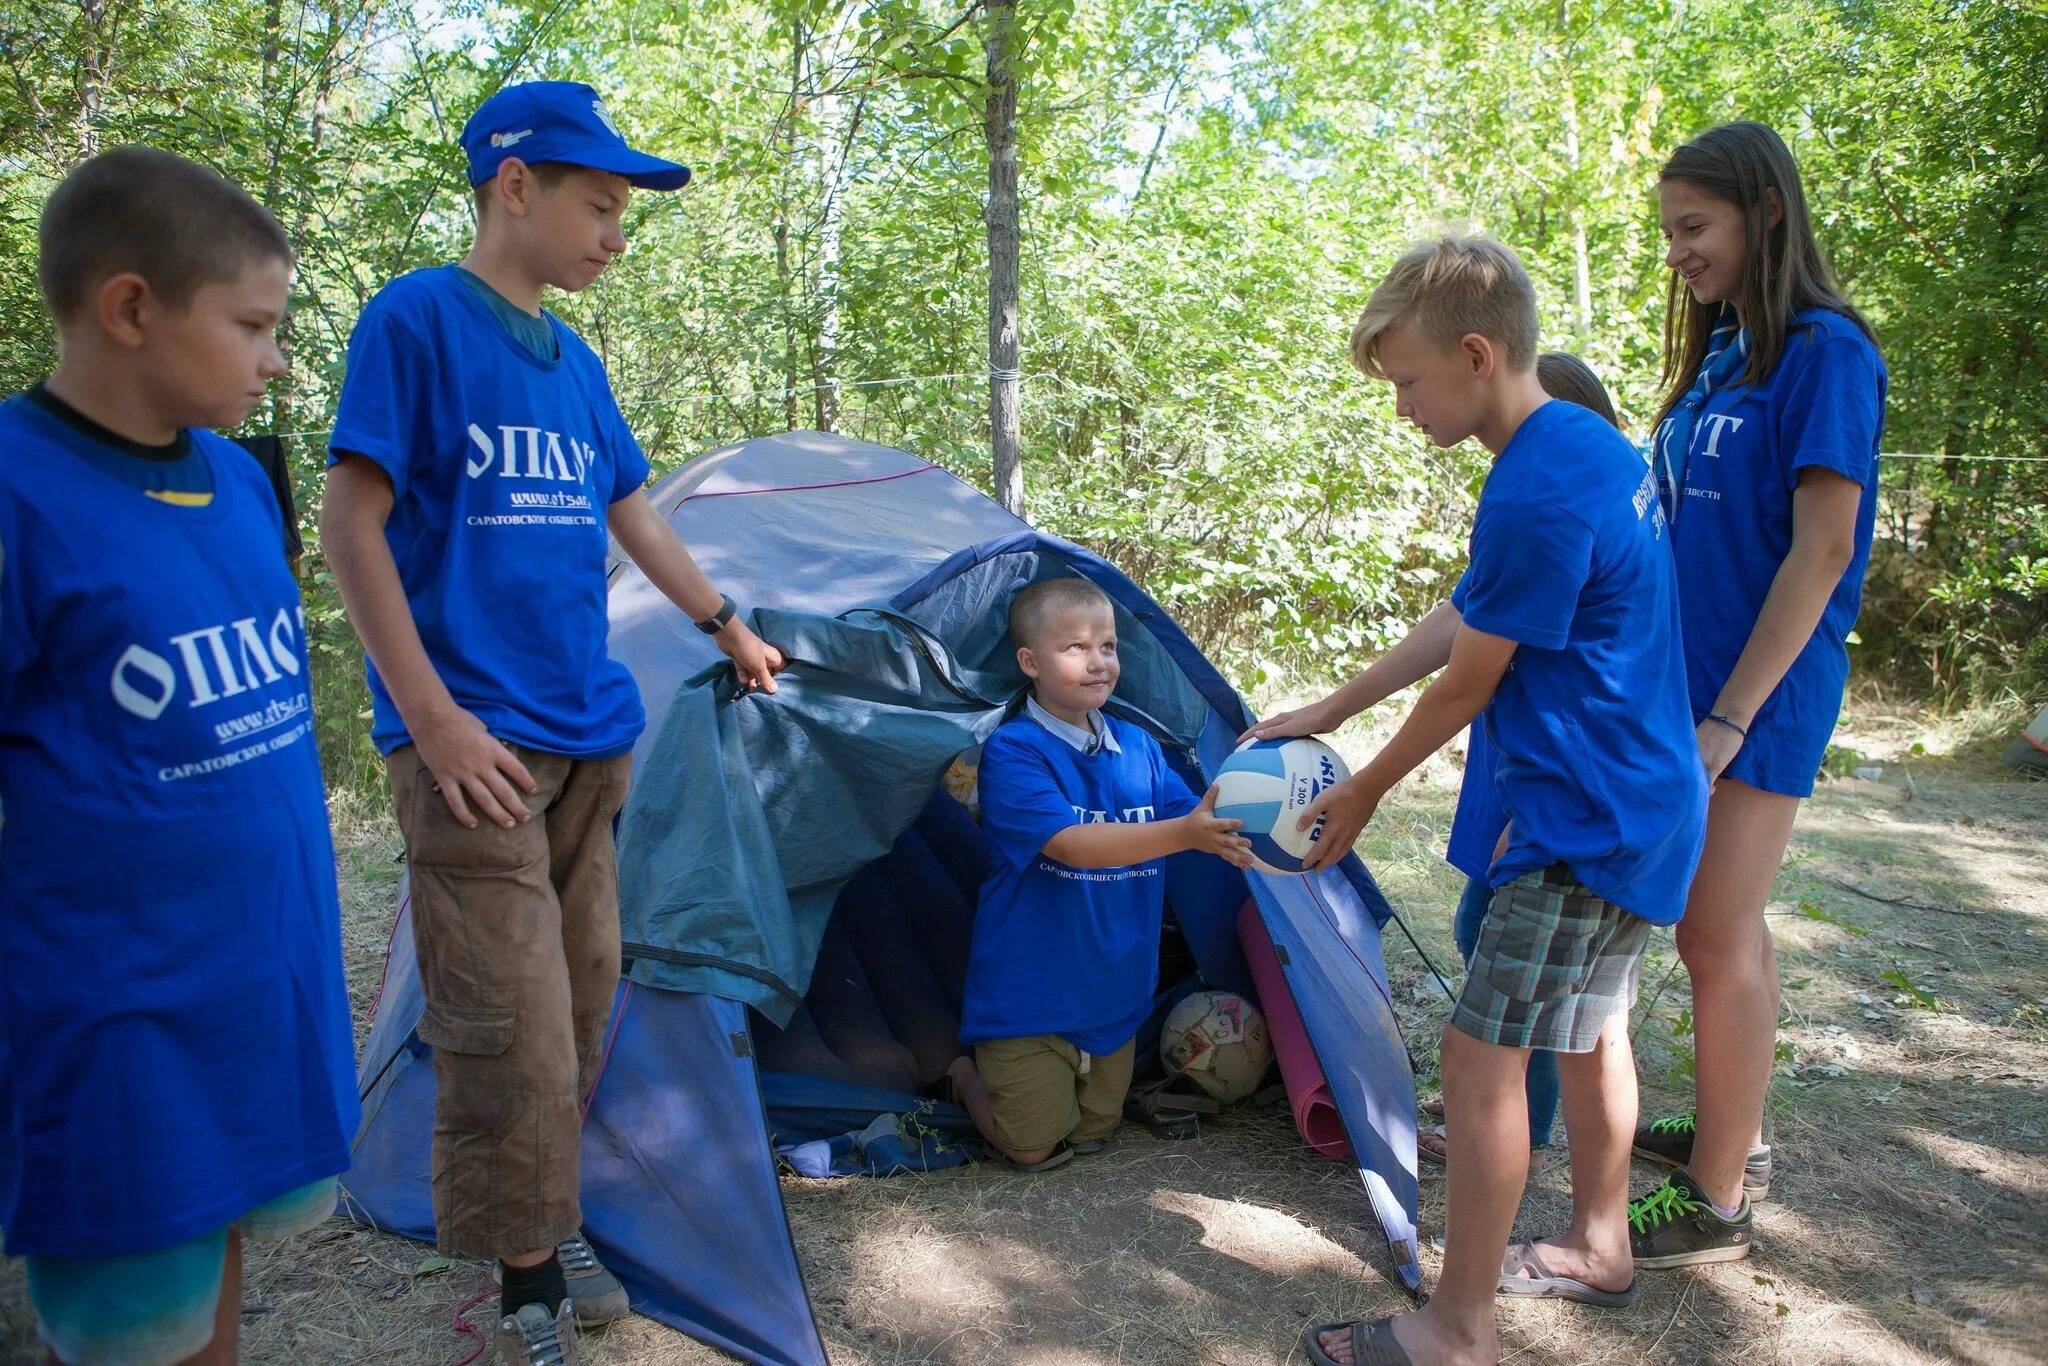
<point>595,1292</point>
<point>533,1337</point>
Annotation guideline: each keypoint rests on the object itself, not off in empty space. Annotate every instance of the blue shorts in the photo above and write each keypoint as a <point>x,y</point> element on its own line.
<point>155,1308</point>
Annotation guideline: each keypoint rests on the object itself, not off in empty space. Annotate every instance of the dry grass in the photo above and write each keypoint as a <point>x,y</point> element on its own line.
<point>1909,1221</point>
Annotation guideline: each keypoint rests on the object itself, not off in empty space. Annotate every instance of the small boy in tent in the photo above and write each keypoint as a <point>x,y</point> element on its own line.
<point>1080,809</point>
<point>478,460</point>
<point>176,1064</point>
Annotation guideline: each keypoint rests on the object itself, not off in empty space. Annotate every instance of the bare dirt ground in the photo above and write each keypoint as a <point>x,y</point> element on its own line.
<point>1909,1219</point>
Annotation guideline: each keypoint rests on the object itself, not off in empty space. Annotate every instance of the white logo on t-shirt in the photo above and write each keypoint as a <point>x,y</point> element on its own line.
<point>214,662</point>
<point>1134,815</point>
<point>1716,424</point>
<point>530,453</point>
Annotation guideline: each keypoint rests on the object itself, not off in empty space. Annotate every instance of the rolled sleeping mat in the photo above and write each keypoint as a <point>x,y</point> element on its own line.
<point>1308,1094</point>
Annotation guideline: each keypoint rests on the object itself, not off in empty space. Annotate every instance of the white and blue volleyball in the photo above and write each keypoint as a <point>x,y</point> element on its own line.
<point>1267,784</point>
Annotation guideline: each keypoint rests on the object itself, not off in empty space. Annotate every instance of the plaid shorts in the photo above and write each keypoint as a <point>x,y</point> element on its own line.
<point>1552,964</point>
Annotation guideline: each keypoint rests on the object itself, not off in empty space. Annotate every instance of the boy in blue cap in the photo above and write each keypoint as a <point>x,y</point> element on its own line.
<point>477,461</point>
<point>176,1064</point>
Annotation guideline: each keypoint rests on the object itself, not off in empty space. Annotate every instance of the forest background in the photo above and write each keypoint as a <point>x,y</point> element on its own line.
<point>1207,190</point>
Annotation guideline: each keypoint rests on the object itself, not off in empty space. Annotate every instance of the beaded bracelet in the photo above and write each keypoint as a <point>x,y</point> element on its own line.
<point>1716,716</point>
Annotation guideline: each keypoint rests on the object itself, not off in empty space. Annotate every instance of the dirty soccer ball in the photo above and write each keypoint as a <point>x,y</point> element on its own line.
<point>1218,1041</point>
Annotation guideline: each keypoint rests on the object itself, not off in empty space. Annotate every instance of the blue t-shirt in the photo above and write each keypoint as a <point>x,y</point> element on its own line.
<point>1598,767</point>
<point>502,468</point>
<point>175,1046</point>
<point>1478,821</point>
<point>1822,406</point>
<point>1059,950</point>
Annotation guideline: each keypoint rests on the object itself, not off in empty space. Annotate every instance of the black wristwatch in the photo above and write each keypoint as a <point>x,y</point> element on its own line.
<point>715,623</point>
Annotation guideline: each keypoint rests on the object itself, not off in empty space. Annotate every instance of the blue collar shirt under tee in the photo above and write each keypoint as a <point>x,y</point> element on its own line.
<point>1060,950</point>
<point>1597,764</point>
<point>1821,407</point>
<point>175,1046</point>
<point>502,466</point>
<point>1095,735</point>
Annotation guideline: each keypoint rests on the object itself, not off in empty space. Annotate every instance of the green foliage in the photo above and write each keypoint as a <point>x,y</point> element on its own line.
<point>1909,993</point>
<point>1826,917</point>
<point>1209,191</point>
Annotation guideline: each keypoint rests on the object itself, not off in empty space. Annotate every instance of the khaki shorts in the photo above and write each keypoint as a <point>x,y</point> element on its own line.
<point>517,933</point>
<point>1040,1094</point>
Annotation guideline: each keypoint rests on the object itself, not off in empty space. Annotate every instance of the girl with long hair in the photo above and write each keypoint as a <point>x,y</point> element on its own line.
<point>1766,457</point>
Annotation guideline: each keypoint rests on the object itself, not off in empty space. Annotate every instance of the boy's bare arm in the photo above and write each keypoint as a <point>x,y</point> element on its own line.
<point>469,764</point>
<point>1448,706</point>
<point>1425,649</point>
<point>651,543</point>
<point>1117,844</point>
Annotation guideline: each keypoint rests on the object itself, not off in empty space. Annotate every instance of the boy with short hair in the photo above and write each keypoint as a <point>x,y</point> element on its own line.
<point>477,461</point>
<point>176,1064</point>
<point>1080,809</point>
<point>1571,582</point>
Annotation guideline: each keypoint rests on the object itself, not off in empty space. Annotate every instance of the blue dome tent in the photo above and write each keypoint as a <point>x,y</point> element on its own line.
<point>885,580</point>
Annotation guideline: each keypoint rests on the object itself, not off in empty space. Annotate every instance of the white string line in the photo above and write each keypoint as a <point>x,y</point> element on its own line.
<point>778,392</point>
<point>786,392</point>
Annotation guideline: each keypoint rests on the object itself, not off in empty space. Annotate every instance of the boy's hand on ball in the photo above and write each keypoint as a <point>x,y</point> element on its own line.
<point>754,661</point>
<point>1345,809</point>
<point>1214,834</point>
<point>1313,719</point>
<point>471,765</point>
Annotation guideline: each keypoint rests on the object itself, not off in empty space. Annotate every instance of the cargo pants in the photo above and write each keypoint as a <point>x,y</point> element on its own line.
<point>517,934</point>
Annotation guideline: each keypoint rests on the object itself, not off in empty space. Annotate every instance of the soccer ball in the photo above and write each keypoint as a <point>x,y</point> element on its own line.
<point>1267,784</point>
<point>1219,1041</point>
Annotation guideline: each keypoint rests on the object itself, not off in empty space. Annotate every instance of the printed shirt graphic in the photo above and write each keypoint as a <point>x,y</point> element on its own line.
<point>1822,407</point>
<point>1059,950</point>
<point>1597,766</point>
<point>175,1045</point>
<point>502,468</point>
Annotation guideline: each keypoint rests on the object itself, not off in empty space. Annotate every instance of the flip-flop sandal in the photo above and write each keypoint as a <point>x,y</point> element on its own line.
<point>1062,1153</point>
<point>1523,1273</point>
<point>1372,1344</point>
<point>1433,1108</point>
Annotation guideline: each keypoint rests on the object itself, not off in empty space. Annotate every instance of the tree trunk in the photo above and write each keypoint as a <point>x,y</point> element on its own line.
<point>999,125</point>
<point>95,68</point>
<point>835,149</point>
<point>785,264</point>
<point>1582,270</point>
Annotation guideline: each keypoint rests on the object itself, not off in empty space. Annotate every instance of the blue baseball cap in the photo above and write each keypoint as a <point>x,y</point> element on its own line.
<point>558,121</point>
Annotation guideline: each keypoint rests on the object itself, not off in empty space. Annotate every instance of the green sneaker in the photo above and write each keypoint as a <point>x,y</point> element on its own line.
<point>1667,1141</point>
<point>1675,1225</point>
